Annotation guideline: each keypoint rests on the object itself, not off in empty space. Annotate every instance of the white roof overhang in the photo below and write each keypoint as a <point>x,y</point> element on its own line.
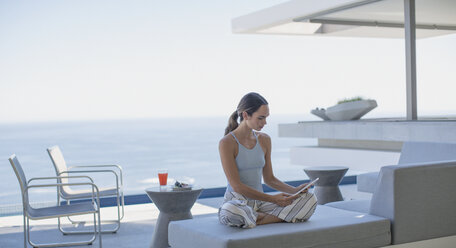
<point>409,19</point>
<point>353,18</point>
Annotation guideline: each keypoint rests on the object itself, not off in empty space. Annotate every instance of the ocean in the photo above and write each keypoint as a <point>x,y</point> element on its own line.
<point>187,147</point>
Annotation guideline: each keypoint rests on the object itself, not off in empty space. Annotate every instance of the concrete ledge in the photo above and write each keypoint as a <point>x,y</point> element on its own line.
<point>378,145</point>
<point>374,129</point>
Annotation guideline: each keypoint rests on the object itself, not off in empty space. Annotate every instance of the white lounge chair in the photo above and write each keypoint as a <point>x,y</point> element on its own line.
<point>31,213</point>
<point>69,194</point>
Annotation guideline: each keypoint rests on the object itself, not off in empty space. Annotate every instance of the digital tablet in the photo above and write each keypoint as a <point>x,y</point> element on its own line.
<point>307,186</point>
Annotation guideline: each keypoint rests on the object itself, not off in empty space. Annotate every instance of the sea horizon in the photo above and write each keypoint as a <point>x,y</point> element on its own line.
<point>186,146</point>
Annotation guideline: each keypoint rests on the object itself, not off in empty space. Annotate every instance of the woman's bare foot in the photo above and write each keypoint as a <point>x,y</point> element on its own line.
<point>267,219</point>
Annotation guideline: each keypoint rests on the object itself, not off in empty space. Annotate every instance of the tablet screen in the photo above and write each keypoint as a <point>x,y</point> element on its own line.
<point>306,187</point>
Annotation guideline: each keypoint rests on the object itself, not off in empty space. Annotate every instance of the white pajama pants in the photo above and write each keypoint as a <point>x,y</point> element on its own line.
<point>240,211</point>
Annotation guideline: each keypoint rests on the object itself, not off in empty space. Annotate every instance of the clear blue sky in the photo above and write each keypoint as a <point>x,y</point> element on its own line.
<point>76,60</point>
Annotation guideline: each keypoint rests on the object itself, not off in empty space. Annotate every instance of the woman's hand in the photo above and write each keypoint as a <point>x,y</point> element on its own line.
<point>283,199</point>
<point>300,187</point>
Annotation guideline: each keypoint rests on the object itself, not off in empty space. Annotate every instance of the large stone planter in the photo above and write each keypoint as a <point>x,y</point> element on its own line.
<point>350,110</point>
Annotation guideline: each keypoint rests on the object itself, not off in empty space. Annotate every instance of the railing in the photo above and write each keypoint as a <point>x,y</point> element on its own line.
<point>16,209</point>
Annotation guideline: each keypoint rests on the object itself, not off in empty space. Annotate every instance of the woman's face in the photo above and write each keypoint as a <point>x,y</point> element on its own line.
<point>258,118</point>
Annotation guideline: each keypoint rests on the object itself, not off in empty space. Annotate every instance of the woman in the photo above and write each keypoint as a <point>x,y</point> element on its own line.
<point>245,154</point>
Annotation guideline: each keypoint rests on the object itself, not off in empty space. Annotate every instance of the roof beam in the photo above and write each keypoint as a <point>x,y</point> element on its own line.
<point>378,24</point>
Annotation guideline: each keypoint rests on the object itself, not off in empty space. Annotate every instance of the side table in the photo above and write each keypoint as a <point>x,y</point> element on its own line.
<point>327,187</point>
<point>173,205</point>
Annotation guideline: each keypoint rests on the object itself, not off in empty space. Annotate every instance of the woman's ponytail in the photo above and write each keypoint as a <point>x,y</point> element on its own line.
<point>249,103</point>
<point>232,122</point>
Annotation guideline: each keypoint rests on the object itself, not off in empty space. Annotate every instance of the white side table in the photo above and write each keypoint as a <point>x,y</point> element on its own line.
<point>327,187</point>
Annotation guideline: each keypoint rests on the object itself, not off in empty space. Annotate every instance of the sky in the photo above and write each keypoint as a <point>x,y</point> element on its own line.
<point>111,59</point>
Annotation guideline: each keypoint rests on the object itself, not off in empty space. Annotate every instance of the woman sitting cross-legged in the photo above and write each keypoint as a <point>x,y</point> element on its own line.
<point>245,154</point>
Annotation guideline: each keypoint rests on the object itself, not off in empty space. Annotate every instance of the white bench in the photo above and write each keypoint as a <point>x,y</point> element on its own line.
<point>328,227</point>
<point>401,211</point>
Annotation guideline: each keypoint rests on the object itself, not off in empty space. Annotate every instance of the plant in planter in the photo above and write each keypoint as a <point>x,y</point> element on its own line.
<point>347,109</point>
<point>353,99</point>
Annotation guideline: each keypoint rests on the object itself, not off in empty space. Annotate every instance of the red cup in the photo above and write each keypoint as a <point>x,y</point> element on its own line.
<point>163,177</point>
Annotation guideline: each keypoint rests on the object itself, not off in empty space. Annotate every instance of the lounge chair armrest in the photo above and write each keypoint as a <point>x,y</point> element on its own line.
<point>94,188</point>
<point>101,166</point>
<point>95,171</point>
<point>61,184</point>
<point>97,165</point>
<point>59,177</point>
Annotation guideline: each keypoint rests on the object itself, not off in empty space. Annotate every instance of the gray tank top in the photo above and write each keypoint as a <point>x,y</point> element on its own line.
<point>250,163</point>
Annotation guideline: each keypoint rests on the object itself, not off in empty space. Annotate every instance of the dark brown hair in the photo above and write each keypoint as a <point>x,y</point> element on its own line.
<point>249,103</point>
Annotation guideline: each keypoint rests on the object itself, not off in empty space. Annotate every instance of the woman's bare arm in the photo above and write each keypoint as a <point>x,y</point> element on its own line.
<point>268,174</point>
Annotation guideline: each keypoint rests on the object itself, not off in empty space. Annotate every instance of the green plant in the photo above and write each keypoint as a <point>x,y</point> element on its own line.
<point>353,99</point>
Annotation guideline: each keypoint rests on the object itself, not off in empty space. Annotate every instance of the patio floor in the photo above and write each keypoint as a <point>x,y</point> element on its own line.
<point>136,229</point>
